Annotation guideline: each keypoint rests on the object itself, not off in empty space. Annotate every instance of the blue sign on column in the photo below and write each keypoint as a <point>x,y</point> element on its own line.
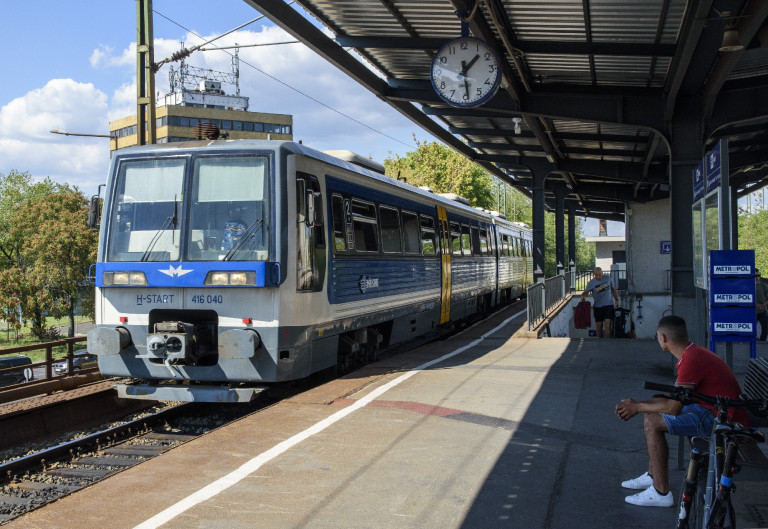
<point>714,166</point>
<point>698,181</point>
<point>732,314</point>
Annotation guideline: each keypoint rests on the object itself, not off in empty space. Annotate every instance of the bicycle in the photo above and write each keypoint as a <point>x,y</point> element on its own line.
<point>705,502</point>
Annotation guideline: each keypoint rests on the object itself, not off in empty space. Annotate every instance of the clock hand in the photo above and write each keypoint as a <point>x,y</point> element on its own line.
<point>468,66</point>
<point>466,87</point>
<point>464,69</point>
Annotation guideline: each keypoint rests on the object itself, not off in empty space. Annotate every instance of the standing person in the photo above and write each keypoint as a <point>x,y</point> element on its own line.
<point>697,368</point>
<point>761,295</point>
<point>602,288</point>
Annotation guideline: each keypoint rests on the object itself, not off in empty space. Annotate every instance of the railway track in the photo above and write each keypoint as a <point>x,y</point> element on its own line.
<point>34,480</point>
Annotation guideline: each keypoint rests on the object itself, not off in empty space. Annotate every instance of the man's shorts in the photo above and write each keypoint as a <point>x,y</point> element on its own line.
<point>692,421</point>
<point>603,313</point>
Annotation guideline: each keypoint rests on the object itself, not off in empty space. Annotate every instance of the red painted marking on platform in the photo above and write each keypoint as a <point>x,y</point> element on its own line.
<point>418,407</point>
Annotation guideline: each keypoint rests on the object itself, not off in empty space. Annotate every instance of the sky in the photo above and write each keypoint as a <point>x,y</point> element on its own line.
<point>72,67</point>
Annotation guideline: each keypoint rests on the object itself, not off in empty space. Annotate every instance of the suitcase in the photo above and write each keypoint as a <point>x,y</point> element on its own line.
<point>582,315</point>
<point>621,323</point>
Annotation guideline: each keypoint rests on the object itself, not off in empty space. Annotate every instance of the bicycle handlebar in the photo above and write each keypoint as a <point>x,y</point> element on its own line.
<point>688,396</point>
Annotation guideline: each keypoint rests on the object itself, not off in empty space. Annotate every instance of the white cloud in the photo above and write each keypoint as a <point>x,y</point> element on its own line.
<point>26,143</point>
<point>100,55</point>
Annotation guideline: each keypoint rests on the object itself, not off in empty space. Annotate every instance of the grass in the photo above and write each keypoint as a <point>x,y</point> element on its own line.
<point>8,338</point>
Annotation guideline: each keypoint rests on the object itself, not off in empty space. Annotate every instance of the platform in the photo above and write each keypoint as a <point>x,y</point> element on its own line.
<point>484,431</point>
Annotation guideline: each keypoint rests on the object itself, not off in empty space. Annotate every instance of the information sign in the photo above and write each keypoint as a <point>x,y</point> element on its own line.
<point>699,186</point>
<point>732,315</point>
<point>714,166</point>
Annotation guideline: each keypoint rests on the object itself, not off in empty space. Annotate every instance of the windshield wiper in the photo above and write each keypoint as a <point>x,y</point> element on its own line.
<point>247,234</point>
<point>173,220</point>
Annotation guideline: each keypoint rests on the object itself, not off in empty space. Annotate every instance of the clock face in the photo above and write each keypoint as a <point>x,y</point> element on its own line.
<point>465,72</point>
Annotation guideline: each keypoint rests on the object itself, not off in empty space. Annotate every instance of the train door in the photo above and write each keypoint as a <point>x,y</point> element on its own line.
<point>310,236</point>
<point>445,266</point>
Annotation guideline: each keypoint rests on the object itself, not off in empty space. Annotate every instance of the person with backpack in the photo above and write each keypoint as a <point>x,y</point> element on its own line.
<point>602,288</point>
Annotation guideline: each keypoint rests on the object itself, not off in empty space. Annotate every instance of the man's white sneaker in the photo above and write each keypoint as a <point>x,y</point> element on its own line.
<point>650,498</point>
<point>638,483</point>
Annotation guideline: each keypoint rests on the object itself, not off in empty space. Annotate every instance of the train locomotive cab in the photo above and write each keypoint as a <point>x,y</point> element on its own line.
<point>187,260</point>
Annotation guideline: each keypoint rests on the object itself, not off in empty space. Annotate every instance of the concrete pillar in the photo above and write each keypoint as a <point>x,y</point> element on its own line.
<point>539,244</point>
<point>687,151</point>
<point>560,230</point>
<point>572,244</point>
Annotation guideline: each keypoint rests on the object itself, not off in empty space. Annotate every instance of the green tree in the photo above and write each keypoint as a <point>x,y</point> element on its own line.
<point>585,252</point>
<point>55,249</point>
<point>514,204</point>
<point>445,171</point>
<point>753,234</point>
<point>16,188</point>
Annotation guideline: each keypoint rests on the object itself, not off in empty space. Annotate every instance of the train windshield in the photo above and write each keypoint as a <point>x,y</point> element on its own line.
<point>145,223</point>
<point>219,215</point>
<point>228,209</point>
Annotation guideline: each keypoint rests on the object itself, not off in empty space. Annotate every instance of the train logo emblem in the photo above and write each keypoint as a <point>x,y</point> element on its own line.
<point>175,272</point>
<point>367,283</point>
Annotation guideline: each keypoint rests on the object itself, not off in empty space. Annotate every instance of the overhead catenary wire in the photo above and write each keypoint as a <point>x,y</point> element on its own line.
<point>224,49</point>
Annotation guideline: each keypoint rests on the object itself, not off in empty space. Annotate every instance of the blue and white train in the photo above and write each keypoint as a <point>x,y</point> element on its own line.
<point>225,265</point>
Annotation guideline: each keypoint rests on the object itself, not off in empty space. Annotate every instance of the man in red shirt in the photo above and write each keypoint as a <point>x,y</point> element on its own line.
<point>697,368</point>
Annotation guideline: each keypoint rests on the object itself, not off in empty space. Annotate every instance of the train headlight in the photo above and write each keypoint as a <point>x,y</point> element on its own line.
<point>126,278</point>
<point>239,278</point>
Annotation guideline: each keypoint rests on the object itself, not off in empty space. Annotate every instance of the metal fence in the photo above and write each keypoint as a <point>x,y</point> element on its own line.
<point>580,279</point>
<point>545,296</point>
<point>535,297</point>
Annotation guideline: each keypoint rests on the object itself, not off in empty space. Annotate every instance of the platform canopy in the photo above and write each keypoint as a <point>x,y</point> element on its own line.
<point>599,84</point>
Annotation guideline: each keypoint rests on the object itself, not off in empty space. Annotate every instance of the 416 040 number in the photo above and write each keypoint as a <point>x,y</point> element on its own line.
<point>210,298</point>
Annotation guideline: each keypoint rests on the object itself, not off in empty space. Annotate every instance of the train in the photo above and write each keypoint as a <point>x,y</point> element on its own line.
<point>226,266</point>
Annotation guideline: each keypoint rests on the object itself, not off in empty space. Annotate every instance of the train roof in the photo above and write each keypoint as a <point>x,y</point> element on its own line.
<point>327,157</point>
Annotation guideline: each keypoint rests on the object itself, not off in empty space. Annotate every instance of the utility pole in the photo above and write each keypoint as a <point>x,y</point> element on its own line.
<point>145,74</point>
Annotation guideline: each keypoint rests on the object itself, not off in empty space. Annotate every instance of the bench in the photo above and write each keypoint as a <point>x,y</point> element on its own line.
<point>755,386</point>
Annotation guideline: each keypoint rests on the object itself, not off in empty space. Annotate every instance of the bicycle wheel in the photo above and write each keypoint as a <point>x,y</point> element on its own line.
<point>722,515</point>
<point>696,516</point>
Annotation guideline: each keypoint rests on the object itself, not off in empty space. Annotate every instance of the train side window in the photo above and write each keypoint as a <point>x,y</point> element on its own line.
<point>390,230</point>
<point>466,240</point>
<point>339,231</point>
<point>364,226</point>
<point>410,232</point>
<point>484,249</point>
<point>505,245</point>
<point>428,236</point>
<point>455,238</point>
<point>475,234</point>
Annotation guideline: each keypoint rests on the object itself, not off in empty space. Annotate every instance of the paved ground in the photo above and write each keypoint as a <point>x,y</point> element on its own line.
<point>497,432</point>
